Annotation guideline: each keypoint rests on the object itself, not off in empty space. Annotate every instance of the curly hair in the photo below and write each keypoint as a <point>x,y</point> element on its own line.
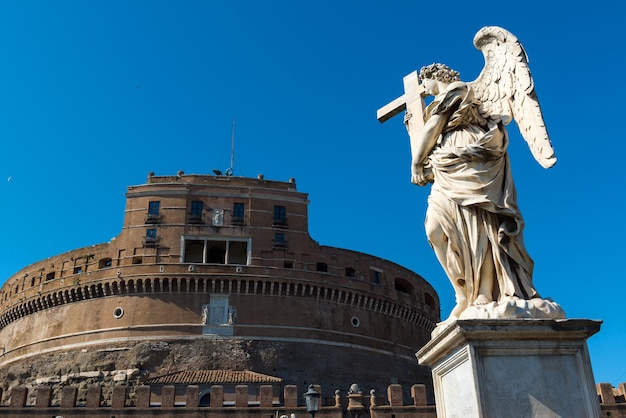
<point>440,72</point>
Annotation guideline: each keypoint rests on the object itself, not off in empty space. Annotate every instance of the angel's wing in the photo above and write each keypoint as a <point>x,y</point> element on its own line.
<point>506,91</point>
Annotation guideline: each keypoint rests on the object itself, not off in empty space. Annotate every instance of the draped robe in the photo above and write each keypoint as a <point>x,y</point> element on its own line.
<point>474,201</point>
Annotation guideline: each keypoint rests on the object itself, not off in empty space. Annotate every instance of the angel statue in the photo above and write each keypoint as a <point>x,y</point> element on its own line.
<point>459,144</point>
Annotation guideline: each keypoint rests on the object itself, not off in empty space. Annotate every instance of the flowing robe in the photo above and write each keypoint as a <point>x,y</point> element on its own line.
<point>474,201</point>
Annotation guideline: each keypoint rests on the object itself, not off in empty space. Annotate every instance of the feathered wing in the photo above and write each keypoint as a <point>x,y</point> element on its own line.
<point>506,91</point>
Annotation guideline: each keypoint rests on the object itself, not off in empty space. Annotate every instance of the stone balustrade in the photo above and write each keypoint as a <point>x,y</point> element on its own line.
<point>141,403</point>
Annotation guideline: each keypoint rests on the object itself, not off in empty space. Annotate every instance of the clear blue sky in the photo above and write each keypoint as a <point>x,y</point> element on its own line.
<point>95,94</point>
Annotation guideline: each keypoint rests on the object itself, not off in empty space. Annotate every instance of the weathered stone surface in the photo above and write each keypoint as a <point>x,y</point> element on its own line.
<point>513,368</point>
<point>43,397</point>
<point>131,363</point>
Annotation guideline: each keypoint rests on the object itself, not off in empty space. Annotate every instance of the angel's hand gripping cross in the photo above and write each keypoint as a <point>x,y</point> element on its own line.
<point>413,102</point>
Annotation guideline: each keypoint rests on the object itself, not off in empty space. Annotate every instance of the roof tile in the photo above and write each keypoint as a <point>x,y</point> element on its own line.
<point>194,377</point>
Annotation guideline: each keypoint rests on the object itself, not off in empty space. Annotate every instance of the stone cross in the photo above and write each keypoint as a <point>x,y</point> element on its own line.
<point>412,101</point>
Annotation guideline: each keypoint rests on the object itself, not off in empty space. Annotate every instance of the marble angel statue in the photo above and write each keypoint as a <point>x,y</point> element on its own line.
<point>473,221</point>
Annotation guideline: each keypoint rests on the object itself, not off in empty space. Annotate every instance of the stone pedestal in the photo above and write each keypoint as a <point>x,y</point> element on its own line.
<point>513,368</point>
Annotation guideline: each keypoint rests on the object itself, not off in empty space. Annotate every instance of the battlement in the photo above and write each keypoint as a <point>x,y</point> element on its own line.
<point>142,402</point>
<point>612,400</point>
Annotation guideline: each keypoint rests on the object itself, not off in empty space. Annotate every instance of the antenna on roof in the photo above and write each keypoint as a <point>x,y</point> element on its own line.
<point>229,170</point>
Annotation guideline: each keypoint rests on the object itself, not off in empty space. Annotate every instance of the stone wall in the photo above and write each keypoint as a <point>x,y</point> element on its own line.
<point>612,400</point>
<point>131,363</point>
<point>140,403</point>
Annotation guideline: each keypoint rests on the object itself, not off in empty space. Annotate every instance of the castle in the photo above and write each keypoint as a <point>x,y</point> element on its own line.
<point>214,300</point>
<point>213,273</point>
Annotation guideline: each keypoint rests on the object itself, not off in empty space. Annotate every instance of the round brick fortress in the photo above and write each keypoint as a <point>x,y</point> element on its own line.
<point>216,272</point>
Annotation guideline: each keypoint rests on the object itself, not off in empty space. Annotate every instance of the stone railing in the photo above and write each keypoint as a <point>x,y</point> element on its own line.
<point>612,400</point>
<point>141,403</point>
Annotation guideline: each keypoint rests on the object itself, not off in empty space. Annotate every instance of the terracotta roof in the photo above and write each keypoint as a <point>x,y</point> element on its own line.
<point>195,377</point>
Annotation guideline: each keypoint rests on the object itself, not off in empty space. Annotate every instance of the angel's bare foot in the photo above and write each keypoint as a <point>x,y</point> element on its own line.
<point>482,300</point>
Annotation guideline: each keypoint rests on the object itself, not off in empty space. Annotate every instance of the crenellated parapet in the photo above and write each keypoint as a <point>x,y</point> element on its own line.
<point>612,400</point>
<point>142,402</point>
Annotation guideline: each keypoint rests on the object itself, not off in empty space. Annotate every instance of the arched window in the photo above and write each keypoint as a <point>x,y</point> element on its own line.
<point>403,286</point>
<point>105,262</point>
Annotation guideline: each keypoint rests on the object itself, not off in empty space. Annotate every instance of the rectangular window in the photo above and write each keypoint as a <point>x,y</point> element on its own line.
<point>153,207</point>
<point>376,275</point>
<point>151,238</point>
<point>279,240</point>
<point>194,251</point>
<point>196,212</point>
<point>196,208</point>
<point>238,213</point>
<point>153,216</point>
<point>215,251</point>
<point>237,252</point>
<point>280,216</point>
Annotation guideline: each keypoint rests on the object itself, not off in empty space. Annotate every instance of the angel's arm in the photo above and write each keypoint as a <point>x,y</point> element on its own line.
<point>422,143</point>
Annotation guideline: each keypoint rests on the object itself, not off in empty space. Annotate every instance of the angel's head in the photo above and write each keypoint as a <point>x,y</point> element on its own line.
<point>439,72</point>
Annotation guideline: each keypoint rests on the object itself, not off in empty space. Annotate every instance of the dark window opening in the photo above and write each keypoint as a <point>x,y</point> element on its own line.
<point>403,286</point>
<point>238,252</point>
<point>350,272</point>
<point>216,252</point>
<point>196,211</point>
<point>151,238</point>
<point>238,213</point>
<point>280,240</point>
<point>193,251</point>
<point>50,276</point>
<point>280,216</point>
<point>137,259</point>
<point>429,300</point>
<point>323,267</point>
<point>153,208</point>
<point>105,262</point>
<point>288,264</point>
<point>153,212</point>
<point>78,270</point>
<point>376,276</point>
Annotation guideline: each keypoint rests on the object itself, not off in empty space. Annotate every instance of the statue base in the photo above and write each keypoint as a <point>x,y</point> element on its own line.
<point>513,368</point>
